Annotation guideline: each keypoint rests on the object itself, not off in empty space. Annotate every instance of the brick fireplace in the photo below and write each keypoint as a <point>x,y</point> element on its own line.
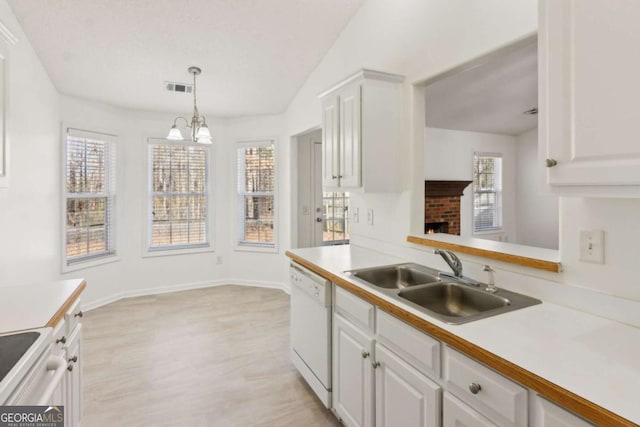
<point>442,206</point>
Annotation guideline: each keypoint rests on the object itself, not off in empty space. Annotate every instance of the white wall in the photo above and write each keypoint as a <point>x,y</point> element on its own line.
<point>537,211</point>
<point>448,155</point>
<point>29,207</point>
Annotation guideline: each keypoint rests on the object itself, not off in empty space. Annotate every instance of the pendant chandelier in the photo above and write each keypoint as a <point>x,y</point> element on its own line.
<point>198,125</point>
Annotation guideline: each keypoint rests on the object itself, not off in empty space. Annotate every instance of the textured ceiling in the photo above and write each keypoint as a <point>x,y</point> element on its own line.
<point>490,97</point>
<point>254,54</point>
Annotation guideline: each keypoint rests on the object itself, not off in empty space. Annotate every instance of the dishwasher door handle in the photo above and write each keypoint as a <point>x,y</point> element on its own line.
<point>59,366</point>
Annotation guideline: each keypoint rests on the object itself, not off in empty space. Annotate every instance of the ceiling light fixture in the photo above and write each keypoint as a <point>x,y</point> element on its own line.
<point>198,125</point>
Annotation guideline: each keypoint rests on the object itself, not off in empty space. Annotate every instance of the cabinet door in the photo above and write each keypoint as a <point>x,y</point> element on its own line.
<point>404,396</point>
<point>455,413</point>
<point>352,374</point>
<point>73,404</point>
<point>330,142</point>
<point>546,414</point>
<point>588,71</point>
<point>350,117</point>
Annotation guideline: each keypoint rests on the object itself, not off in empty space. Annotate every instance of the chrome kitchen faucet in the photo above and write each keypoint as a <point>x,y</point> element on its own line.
<point>451,259</point>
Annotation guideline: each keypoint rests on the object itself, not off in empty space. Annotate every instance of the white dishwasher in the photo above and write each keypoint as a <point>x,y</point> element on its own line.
<point>311,329</point>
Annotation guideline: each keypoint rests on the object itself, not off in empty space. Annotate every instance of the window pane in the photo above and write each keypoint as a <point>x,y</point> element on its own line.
<point>256,185</point>
<point>87,227</point>
<point>258,219</point>
<point>179,205</point>
<point>486,192</point>
<point>335,218</point>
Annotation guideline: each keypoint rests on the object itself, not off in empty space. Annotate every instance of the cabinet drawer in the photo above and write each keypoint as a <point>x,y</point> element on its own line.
<point>497,397</point>
<point>455,414</point>
<point>414,346</point>
<point>547,414</point>
<point>354,308</point>
<point>72,317</point>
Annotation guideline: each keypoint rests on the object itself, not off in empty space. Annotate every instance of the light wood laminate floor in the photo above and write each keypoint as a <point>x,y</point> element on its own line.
<point>208,357</point>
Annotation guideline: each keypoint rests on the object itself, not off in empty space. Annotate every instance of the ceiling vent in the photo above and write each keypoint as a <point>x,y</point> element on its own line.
<point>178,87</point>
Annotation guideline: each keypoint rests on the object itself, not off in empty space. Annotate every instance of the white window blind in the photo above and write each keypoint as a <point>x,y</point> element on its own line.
<point>256,193</point>
<point>89,195</point>
<point>487,191</point>
<point>179,195</point>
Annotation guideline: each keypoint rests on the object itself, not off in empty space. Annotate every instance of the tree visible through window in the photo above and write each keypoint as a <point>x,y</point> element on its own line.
<point>487,191</point>
<point>179,196</point>
<point>89,195</point>
<point>256,193</point>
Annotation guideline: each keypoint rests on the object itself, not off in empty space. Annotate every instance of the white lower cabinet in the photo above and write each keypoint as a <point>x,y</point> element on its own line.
<point>73,380</point>
<point>352,373</point>
<point>68,345</point>
<point>456,413</point>
<point>386,373</point>
<point>404,396</point>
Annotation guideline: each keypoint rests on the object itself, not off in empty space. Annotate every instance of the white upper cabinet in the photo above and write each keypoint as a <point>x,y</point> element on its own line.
<point>589,94</point>
<point>361,133</point>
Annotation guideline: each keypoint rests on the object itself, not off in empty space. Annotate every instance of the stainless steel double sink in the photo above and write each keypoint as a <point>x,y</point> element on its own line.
<point>448,299</point>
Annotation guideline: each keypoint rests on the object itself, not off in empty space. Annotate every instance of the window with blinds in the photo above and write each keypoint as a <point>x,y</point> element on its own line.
<point>89,195</point>
<point>179,196</point>
<point>487,191</point>
<point>256,193</point>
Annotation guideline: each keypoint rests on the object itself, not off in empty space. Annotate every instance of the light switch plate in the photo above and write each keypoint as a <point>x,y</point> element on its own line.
<point>592,246</point>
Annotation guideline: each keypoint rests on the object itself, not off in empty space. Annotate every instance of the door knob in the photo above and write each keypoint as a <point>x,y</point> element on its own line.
<point>365,354</point>
<point>551,163</point>
<point>318,219</point>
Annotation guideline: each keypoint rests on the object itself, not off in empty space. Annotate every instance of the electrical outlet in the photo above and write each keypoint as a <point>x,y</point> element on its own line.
<point>355,217</point>
<point>219,260</point>
<point>370,216</point>
<point>592,246</point>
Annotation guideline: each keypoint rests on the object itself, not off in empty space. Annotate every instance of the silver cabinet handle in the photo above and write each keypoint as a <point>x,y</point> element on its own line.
<point>474,388</point>
<point>375,364</point>
<point>551,163</point>
<point>334,176</point>
<point>79,314</point>
<point>73,359</point>
<point>365,354</point>
<point>62,340</point>
<point>318,219</point>
<point>70,367</point>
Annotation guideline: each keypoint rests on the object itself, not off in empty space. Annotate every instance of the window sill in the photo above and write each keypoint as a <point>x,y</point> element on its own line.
<point>151,253</point>
<point>488,231</point>
<point>81,265</point>
<point>247,247</point>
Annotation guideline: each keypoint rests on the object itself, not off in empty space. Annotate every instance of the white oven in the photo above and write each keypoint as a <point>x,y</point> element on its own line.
<point>311,329</point>
<point>33,372</point>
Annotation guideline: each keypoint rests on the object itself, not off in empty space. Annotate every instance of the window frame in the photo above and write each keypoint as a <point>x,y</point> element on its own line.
<point>239,208</point>
<point>111,172</point>
<point>181,249</point>
<point>498,194</point>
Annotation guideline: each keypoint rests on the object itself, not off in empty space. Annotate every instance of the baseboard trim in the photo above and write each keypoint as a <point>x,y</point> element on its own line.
<point>91,305</point>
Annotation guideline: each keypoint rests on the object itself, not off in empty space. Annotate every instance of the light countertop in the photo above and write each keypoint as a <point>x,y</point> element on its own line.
<point>592,357</point>
<point>36,306</point>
